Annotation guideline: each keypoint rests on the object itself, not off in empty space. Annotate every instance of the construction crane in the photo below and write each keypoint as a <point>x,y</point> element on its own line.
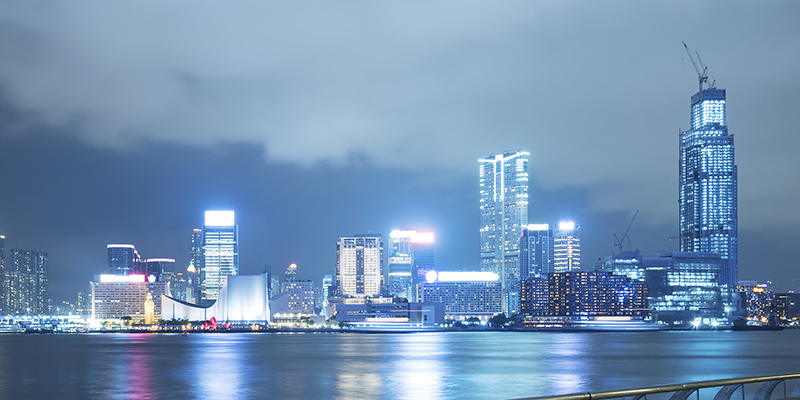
<point>620,241</point>
<point>702,76</point>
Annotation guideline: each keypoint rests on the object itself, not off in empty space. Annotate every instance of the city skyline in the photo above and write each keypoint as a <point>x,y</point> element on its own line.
<point>372,119</point>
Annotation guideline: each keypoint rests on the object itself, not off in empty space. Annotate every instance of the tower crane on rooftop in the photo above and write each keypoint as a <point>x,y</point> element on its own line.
<point>702,76</point>
<point>620,241</point>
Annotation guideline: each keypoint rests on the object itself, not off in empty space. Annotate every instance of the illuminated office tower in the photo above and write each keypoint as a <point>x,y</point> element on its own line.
<point>359,265</point>
<point>504,212</point>
<point>536,251</point>
<point>122,259</point>
<point>708,184</point>
<point>566,247</point>
<point>220,252</point>
<point>410,259</point>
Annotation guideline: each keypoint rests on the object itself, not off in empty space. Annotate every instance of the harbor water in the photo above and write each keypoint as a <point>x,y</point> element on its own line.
<point>438,365</point>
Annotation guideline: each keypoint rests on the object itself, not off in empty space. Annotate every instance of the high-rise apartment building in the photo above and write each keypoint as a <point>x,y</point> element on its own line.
<point>25,283</point>
<point>220,252</point>
<point>504,213</point>
<point>359,265</point>
<point>566,247</point>
<point>122,259</point>
<point>708,184</point>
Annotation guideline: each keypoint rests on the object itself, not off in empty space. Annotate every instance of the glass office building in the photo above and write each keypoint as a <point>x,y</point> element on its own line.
<point>220,252</point>
<point>504,213</point>
<point>708,184</point>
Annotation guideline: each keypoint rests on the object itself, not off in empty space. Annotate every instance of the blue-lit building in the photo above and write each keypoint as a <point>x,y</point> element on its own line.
<point>122,259</point>
<point>504,213</point>
<point>220,253</point>
<point>684,286</point>
<point>536,251</point>
<point>410,259</point>
<point>708,184</point>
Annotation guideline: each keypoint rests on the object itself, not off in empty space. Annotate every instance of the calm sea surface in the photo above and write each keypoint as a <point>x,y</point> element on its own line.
<point>486,365</point>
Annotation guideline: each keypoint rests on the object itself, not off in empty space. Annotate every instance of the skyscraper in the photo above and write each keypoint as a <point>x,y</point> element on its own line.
<point>566,247</point>
<point>410,259</point>
<point>708,184</point>
<point>536,251</point>
<point>359,265</point>
<point>220,252</point>
<point>25,282</point>
<point>122,259</point>
<point>504,212</point>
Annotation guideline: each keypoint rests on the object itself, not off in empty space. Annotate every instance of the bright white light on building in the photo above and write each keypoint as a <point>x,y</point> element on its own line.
<point>566,226</point>
<point>538,227</point>
<point>471,276</point>
<point>422,237</point>
<point>395,234</point>
<point>124,246</point>
<point>122,279</point>
<point>430,277</point>
<point>219,218</point>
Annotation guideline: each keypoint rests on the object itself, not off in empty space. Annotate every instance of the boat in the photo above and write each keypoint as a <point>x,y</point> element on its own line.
<point>11,328</point>
<point>389,325</point>
<point>744,325</point>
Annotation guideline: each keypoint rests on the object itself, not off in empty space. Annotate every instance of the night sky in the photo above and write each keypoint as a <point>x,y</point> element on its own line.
<point>123,122</point>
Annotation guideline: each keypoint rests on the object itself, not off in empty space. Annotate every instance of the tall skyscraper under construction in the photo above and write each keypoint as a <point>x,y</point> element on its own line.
<point>708,194</point>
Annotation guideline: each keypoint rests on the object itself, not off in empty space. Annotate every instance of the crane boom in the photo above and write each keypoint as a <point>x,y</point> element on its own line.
<point>702,76</point>
<point>620,241</point>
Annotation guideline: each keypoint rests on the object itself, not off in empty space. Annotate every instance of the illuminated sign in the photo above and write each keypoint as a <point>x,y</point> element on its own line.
<point>396,234</point>
<point>471,276</point>
<point>122,279</point>
<point>219,218</point>
<point>159,260</point>
<point>124,246</point>
<point>414,236</point>
<point>566,226</point>
<point>422,237</point>
<point>538,227</point>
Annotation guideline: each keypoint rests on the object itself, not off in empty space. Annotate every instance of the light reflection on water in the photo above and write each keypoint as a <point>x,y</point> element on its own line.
<point>490,365</point>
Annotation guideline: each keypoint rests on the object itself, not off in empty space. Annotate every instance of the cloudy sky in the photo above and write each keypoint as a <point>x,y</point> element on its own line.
<point>124,121</point>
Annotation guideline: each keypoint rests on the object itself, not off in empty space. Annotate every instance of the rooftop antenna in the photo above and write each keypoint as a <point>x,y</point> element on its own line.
<point>702,75</point>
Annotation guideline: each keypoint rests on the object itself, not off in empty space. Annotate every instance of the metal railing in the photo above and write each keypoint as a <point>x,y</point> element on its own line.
<point>682,391</point>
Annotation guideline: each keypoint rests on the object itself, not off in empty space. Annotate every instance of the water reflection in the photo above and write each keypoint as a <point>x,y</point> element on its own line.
<point>217,365</point>
<point>566,355</point>
<point>417,371</point>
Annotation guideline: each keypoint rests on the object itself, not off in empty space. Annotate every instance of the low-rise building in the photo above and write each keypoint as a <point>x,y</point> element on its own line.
<point>115,297</point>
<point>465,295</point>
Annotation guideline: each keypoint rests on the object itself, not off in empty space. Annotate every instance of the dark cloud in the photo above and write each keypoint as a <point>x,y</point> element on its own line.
<point>123,122</point>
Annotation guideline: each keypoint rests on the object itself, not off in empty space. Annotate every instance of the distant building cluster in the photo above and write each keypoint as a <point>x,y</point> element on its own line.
<point>529,270</point>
